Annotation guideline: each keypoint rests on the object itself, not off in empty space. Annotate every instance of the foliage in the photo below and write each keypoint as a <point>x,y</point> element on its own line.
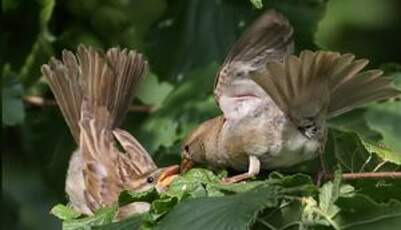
<point>184,41</point>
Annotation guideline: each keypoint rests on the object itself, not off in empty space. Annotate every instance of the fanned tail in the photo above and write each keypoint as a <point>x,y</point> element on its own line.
<point>107,81</point>
<point>65,82</point>
<point>111,81</point>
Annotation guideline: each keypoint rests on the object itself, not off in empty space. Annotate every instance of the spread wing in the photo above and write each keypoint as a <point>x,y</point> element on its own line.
<point>319,85</point>
<point>268,39</point>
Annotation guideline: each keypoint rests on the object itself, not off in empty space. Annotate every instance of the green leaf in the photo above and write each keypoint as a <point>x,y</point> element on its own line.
<point>328,195</point>
<point>153,92</point>
<point>326,209</point>
<point>12,105</point>
<point>133,222</point>
<point>192,184</point>
<point>258,4</point>
<point>361,212</point>
<point>63,212</point>
<point>163,205</point>
<point>183,109</point>
<point>46,12</point>
<point>355,153</point>
<point>102,216</point>
<point>385,119</point>
<point>127,197</point>
<point>161,132</point>
<point>229,212</point>
<point>383,152</point>
<point>379,190</point>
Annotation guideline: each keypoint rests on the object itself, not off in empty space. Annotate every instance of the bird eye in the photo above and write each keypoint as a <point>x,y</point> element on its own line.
<point>186,148</point>
<point>150,180</point>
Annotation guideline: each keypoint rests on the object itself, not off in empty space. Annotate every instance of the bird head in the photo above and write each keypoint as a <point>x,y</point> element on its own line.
<point>159,178</point>
<point>194,146</point>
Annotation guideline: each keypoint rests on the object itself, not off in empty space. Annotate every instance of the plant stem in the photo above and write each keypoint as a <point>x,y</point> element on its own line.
<point>42,102</point>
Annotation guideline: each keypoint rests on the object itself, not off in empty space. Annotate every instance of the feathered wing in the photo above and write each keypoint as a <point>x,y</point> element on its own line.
<point>268,39</point>
<point>99,170</point>
<point>322,84</point>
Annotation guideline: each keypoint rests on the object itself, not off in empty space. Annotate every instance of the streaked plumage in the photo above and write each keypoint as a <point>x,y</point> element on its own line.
<point>275,105</point>
<point>94,91</point>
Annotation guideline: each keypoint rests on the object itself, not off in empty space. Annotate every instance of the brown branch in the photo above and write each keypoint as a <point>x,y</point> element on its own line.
<point>371,175</point>
<point>42,102</point>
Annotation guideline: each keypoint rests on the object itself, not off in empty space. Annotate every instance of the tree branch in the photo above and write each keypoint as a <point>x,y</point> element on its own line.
<point>42,102</point>
<point>371,175</point>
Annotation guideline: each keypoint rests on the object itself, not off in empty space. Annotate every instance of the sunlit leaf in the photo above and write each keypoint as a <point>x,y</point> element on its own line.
<point>102,216</point>
<point>258,4</point>
<point>153,92</point>
<point>63,212</point>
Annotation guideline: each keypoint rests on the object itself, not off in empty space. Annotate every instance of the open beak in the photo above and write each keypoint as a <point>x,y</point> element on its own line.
<point>167,176</point>
<point>186,164</point>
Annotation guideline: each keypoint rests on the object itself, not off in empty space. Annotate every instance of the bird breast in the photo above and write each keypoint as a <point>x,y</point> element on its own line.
<point>267,134</point>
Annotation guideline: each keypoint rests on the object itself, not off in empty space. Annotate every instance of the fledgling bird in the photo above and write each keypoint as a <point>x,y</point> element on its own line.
<point>94,91</point>
<point>275,105</point>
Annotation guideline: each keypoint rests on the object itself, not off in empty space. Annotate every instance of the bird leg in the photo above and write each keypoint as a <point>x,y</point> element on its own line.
<point>253,170</point>
<point>322,174</point>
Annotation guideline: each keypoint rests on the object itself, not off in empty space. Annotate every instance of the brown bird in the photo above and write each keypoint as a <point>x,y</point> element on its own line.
<point>94,91</point>
<point>275,105</point>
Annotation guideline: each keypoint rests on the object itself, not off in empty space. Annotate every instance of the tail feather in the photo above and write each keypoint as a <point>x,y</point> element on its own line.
<point>107,81</point>
<point>317,83</point>
<point>112,79</point>
<point>64,81</point>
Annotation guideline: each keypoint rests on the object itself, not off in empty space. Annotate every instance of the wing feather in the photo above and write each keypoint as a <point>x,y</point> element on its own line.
<point>268,39</point>
<point>322,83</point>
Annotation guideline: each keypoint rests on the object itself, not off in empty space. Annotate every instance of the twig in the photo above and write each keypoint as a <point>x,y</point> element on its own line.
<point>371,175</point>
<point>42,102</point>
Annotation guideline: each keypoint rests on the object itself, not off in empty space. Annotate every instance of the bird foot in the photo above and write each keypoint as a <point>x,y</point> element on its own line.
<point>321,176</point>
<point>235,179</point>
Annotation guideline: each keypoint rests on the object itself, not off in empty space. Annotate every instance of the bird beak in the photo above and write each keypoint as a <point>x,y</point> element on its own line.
<point>167,176</point>
<point>186,164</point>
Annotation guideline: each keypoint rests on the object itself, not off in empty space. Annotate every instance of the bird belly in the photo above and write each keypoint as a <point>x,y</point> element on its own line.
<point>294,148</point>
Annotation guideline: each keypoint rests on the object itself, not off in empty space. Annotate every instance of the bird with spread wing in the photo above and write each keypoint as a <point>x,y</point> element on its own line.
<point>275,105</point>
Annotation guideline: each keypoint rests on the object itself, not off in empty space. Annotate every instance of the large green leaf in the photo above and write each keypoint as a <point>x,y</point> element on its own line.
<point>101,217</point>
<point>356,153</point>
<point>230,212</point>
<point>385,118</point>
<point>134,222</point>
<point>361,212</point>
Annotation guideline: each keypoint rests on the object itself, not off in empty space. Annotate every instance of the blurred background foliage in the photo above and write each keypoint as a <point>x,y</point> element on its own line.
<point>184,42</point>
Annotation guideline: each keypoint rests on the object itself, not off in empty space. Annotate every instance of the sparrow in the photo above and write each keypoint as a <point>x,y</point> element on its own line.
<point>276,105</point>
<point>94,91</point>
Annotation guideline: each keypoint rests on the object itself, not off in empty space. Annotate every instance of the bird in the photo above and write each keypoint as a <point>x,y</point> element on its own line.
<point>276,105</point>
<point>93,90</point>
